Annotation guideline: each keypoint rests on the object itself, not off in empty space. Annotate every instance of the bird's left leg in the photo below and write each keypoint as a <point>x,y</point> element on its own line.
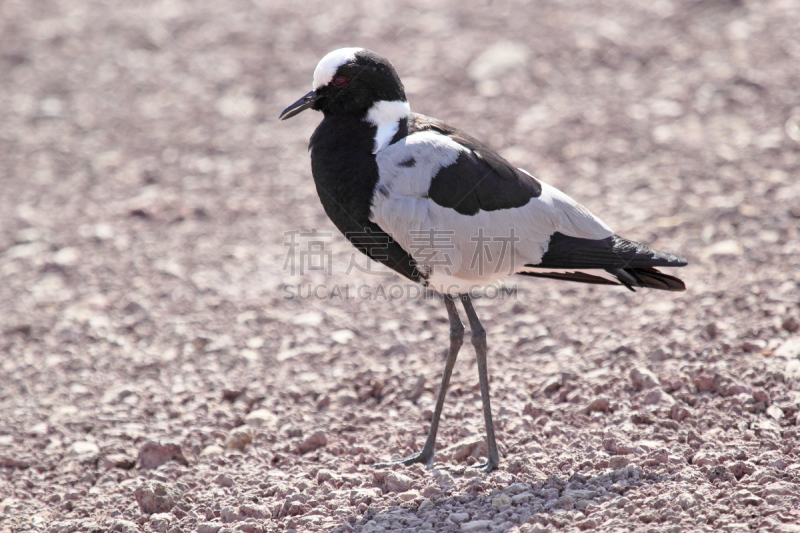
<point>479,341</point>
<point>456,339</point>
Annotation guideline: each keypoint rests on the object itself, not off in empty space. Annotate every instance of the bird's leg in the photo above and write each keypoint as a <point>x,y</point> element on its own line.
<point>479,341</point>
<point>456,339</point>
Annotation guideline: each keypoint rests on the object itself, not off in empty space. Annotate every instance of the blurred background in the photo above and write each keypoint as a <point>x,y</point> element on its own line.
<point>146,188</point>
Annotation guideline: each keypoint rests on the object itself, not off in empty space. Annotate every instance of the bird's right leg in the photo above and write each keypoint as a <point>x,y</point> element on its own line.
<point>456,340</point>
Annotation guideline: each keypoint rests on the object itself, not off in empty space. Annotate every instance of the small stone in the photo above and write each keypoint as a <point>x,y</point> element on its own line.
<point>791,324</point>
<point>408,495</point>
<point>83,448</point>
<point>118,460</point>
<point>397,482</point>
<point>365,496</point>
<point>342,336</point>
<point>308,319</point>
<point>160,521</point>
<point>658,457</point>
<point>703,459</point>
<point>618,461</point>
<point>224,480</point>
<point>212,449</point>
<point>643,378</point>
<point>156,497</point>
<point>753,346</point>
<point>598,404</point>
<point>726,247</point>
<point>551,385</point>
<point>685,500</point>
<point>653,397</point>
<point>790,349</point>
<point>239,437</point>
<point>503,500</point>
<point>476,525</point>
<point>775,412</point>
<point>208,527</point>
<point>153,454</point>
<point>680,412</point>
<point>458,518</point>
<point>704,383</point>
<point>228,514</point>
<point>760,395</point>
<point>779,488</point>
<point>746,497</point>
<point>124,526</point>
<point>314,441</point>
<point>261,418</point>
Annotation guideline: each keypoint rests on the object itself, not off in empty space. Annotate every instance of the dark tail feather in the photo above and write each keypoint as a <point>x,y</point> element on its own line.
<point>644,277</point>
<point>648,277</point>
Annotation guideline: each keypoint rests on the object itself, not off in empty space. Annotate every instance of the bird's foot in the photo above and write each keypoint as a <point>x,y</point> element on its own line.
<point>486,467</point>
<point>419,457</point>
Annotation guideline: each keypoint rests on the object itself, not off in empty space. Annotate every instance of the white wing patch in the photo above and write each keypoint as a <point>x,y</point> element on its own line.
<point>328,65</point>
<point>386,116</point>
<point>461,251</point>
<point>407,167</point>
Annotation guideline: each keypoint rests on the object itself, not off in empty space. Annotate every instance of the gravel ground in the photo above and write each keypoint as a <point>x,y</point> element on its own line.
<point>155,376</point>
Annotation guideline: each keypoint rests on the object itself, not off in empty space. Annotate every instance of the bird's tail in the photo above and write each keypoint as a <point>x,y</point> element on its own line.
<point>647,277</point>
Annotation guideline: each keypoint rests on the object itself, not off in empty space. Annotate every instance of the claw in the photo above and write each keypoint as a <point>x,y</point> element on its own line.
<point>486,467</point>
<point>419,457</point>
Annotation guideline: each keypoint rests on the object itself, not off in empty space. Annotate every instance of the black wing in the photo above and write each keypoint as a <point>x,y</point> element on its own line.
<point>479,179</point>
<point>630,262</point>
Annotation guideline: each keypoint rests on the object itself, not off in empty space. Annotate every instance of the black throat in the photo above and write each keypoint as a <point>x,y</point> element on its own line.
<point>346,172</point>
<point>344,168</point>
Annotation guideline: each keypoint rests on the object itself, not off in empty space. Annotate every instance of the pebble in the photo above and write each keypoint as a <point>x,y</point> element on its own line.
<point>789,349</point>
<point>598,404</point>
<point>476,525</point>
<point>161,521</point>
<point>779,488</point>
<point>308,319</point>
<point>208,527</point>
<point>503,500</point>
<point>153,454</point>
<point>212,449</point>
<point>397,482</point>
<point>124,526</point>
<point>458,518</point>
<point>314,441</point>
<point>118,460</point>
<point>653,397</point>
<point>224,480</point>
<point>704,383</point>
<point>261,418</point>
<point>342,336</point>
<point>156,497</point>
<point>703,459</point>
<point>239,438</point>
<point>643,378</point>
<point>726,247</point>
<point>618,461</point>
<point>408,495</point>
<point>83,448</point>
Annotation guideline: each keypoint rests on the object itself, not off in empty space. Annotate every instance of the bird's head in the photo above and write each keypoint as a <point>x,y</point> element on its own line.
<point>349,81</point>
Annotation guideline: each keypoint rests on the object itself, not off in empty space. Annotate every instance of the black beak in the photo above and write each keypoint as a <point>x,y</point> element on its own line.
<point>299,106</point>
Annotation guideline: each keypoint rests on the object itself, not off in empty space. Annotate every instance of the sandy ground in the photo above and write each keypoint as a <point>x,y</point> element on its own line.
<point>155,376</point>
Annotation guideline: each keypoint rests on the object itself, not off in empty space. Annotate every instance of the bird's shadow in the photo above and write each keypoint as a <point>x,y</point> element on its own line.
<point>554,502</point>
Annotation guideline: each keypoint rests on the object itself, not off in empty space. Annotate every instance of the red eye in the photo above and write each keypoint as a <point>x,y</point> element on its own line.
<point>340,80</point>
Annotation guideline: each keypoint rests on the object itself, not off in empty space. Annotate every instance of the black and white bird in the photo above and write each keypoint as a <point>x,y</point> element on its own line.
<point>445,210</point>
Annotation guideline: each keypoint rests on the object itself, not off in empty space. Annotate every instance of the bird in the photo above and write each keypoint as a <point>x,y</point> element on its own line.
<point>446,211</point>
